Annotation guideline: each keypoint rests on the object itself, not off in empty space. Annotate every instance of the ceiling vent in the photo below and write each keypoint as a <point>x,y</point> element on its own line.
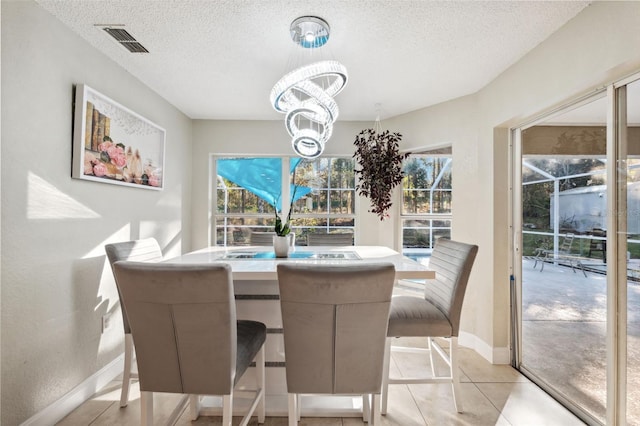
<point>123,37</point>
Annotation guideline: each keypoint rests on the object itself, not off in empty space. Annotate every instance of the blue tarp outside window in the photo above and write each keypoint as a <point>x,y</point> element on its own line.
<point>262,177</point>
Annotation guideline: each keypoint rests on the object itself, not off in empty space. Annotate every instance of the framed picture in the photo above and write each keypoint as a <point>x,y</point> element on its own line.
<point>112,144</point>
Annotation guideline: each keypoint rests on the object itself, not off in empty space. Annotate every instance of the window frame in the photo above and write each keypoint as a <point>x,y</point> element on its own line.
<point>431,217</point>
<point>216,216</point>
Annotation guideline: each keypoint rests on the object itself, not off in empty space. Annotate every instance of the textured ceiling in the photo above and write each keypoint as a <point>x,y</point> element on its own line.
<point>220,59</point>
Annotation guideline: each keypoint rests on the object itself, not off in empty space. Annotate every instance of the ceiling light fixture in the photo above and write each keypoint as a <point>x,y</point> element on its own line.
<point>306,94</point>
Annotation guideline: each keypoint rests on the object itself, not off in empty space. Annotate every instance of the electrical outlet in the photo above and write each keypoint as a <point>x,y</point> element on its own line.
<point>106,322</point>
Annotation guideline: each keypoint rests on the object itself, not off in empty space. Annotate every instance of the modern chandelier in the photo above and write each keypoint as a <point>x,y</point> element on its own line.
<point>306,94</point>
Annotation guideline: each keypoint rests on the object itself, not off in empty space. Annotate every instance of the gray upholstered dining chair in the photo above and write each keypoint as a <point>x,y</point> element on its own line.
<point>261,238</point>
<point>188,341</point>
<point>330,239</point>
<point>144,250</point>
<point>437,314</point>
<point>335,323</point>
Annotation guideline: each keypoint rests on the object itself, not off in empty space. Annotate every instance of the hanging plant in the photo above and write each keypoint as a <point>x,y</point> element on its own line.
<point>378,155</point>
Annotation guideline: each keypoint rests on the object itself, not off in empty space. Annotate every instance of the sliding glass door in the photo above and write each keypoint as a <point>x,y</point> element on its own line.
<point>564,268</point>
<point>578,254</point>
<point>628,135</point>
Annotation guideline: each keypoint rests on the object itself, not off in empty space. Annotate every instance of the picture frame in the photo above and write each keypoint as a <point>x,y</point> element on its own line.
<point>112,144</point>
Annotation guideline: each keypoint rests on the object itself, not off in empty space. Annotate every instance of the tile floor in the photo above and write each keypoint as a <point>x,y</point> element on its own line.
<point>492,394</point>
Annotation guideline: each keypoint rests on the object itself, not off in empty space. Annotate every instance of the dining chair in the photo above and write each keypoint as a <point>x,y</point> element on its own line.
<point>261,238</point>
<point>330,239</point>
<point>144,250</point>
<point>335,322</point>
<point>187,337</point>
<point>436,315</point>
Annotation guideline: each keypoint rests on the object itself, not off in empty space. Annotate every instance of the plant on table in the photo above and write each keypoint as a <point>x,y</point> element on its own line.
<point>282,229</point>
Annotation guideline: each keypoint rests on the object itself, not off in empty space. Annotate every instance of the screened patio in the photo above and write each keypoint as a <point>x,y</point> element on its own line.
<point>564,319</point>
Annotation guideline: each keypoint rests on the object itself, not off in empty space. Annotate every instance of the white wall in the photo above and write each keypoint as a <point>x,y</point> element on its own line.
<point>56,284</point>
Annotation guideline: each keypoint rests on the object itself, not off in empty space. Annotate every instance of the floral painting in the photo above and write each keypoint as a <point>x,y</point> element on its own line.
<point>115,145</point>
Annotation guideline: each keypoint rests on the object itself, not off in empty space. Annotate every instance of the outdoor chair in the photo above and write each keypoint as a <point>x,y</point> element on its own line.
<point>188,341</point>
<point>238,237</point>
<point>543,253</point>
<point>146,250</point>
<point>597,245</point>
<point>436,315</point>
<point>335,322</point>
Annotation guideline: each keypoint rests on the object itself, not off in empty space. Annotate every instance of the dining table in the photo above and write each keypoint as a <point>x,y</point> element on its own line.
<point>254,272</point>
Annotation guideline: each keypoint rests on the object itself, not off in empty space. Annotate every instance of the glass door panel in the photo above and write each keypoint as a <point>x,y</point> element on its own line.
<point>564,269</point>
<point>630,143</point>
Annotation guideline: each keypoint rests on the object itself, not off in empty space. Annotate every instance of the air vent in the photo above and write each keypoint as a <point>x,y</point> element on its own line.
<point>123,37</point>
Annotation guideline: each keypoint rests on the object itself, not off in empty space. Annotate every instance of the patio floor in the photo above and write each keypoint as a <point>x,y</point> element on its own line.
<point>564,334</point>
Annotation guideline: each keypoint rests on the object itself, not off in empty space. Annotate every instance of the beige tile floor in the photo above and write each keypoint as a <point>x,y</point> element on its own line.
<point>492,394</point>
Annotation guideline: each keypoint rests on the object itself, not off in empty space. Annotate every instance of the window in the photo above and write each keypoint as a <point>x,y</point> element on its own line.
<point>247,189</point>
<point>330,206</point>
<point>426,202</point>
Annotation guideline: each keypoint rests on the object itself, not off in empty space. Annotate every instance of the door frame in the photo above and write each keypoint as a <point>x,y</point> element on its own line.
<point>616,294</point>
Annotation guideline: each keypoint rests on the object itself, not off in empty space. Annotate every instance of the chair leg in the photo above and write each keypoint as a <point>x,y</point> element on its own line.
<point>451,359</point>
<point>126,373</point>
<point>293,409</point>
<point>366,411</point>
<point>146,408</point>
<point>385,375</point>
<point>194,403</point>
<point>433,365</point>
<point>455,373</point>
<point>375,419</point>
<point>260,383</point>
<point>227,409</point>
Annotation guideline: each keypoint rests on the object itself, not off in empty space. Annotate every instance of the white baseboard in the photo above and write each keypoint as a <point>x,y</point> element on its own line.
<point>500,355</point>
<point>78,395</point>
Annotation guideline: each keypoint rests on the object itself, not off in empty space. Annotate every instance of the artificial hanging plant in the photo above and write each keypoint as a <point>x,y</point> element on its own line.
<point>380,160</point>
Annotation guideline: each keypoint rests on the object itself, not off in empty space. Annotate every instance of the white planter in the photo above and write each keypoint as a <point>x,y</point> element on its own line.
<point>282,245</point>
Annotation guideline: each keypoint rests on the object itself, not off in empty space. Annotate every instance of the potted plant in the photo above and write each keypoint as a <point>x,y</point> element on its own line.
<point>380,160</point>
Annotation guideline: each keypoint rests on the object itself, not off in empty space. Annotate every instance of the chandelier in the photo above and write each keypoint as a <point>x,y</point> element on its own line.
<point>306,94</point>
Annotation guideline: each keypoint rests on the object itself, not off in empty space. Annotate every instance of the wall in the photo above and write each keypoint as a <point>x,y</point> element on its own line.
<point>56,284</point>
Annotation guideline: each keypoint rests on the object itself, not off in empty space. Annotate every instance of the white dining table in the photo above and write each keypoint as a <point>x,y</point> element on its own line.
<point>254,271</point>
<point>259,262</point>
